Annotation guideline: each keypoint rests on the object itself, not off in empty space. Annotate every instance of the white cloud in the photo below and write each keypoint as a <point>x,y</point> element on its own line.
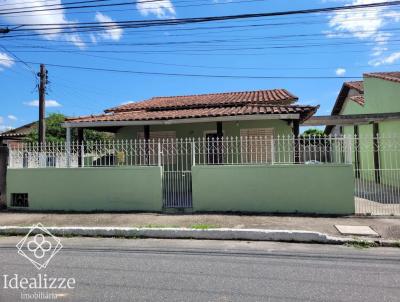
<point>126,103</point>
<point>113,32</point>
<point>2,126</point>
<point>162,8</point>
<point>5,60</point>
<point>12,117</point>
<point>42,17</point>
<point>49,103</point>
<point>340,71</point>
<point>365,24</point>
<point>385,60</point>
<point>76,40</point>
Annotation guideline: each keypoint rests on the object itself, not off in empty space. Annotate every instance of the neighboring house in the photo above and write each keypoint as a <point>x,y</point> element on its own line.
<point>249,113</point>
<point>16,136</point>
<point>350,92</point>
<point>378,95</point>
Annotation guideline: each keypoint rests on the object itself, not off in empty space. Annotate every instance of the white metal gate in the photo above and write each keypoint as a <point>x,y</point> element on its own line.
<point>177,161</point>
<point>376,162</point>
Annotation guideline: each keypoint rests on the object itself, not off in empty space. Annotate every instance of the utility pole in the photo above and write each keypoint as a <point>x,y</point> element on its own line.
<point>42,103</point>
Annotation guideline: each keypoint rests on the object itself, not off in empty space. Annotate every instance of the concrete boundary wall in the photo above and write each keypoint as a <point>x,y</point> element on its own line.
<point>321,189</point>
<point>88,189</point>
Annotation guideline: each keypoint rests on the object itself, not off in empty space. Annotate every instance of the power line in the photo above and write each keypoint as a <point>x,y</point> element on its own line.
<point>163,22</point>
<point>280,38</point>
<point>211,49</point>
<point>175,6</point>
<point>21,61</point>
<point>217,67</point>
<point>63,7</point>
<point>234,27</point>
<point>190,74</point>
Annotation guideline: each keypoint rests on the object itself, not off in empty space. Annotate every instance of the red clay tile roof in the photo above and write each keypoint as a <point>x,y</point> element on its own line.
<point>389,76</point>
<point>359,99</point>
<point>270,97</point>
<point>277,101</point>
<point>357,85</point>
<point>142,115</point>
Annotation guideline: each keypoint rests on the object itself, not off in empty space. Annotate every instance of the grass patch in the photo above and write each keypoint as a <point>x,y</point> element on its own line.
<point>203,226</point>
<point>158,226</point>
<point>361,244</point>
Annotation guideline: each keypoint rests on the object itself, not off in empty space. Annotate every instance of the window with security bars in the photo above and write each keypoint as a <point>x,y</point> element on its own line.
<point>257,145</point>
<point>19,200</point>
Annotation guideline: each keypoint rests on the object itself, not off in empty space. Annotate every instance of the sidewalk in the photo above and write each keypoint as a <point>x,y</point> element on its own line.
<point>387,228</point>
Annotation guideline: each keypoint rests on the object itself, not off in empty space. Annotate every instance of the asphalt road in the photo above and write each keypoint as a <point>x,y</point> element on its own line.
<point>186,270</point>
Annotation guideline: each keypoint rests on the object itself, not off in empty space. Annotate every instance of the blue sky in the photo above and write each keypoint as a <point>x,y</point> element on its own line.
<point>338,44</point>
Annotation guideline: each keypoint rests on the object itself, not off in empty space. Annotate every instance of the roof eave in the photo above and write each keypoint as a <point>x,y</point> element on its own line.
<point>250,117</point>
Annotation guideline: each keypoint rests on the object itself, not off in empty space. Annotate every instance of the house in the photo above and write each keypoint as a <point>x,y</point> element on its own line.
<point>248,113</point>
<point>221,152</point>
<point>16,136</point>
<point>378,94</point>
<point>375,101</point>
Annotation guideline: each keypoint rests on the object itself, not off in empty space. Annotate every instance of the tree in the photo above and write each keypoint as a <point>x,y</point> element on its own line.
<point>56,133</point>
<point>313,132</point>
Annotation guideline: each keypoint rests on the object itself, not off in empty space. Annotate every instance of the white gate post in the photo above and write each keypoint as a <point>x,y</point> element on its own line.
<point>348,149</point>
<point>82,154</point>
<point>68,146</point>
<point>193,153</point>
<point>159,153</point>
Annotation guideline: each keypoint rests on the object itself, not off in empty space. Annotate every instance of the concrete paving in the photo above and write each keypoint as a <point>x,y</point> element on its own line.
<point>358,230</point>
<point>388,228</point>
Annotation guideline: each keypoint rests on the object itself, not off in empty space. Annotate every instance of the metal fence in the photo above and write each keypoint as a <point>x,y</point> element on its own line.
<point>221,151</point>
<point>376,160</point>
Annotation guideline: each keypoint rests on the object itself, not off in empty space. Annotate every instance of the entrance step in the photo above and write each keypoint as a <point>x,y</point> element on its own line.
<point>178,210</point>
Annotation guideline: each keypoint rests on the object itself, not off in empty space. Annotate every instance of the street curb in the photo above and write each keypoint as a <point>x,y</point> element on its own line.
<point>187,233</point>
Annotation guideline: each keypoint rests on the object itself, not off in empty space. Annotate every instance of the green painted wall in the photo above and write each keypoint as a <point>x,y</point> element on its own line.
<point>323,189</point>
<point>197,129</point>
<point>89,189</point>
<point>380,97</point>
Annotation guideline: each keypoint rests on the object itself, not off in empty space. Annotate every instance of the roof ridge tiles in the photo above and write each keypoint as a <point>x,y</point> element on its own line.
<point>211,99</point>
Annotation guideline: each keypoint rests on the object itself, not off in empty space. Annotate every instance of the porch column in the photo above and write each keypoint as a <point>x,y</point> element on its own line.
<point>80,147</point>
<point>220,133</point>
<point>146,132</point>
<point>296,130</point>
